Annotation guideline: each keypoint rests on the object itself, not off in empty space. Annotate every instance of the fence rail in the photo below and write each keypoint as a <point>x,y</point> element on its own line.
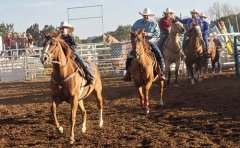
<point>24,64</point>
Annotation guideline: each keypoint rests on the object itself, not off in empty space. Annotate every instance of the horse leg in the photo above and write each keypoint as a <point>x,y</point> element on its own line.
<point>168,70</point>
<point>54,113</point>
<point>84,115</point>
<point>213,66</point>
<point>176,72</point>
<point>161,85</point>
<point>140,92</point>
<point>99,97</point>
<point>190,68</point>
<point>146,94</point>
<point>74,107</point>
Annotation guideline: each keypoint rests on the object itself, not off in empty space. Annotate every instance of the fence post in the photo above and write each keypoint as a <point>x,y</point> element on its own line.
<point>236,57</point>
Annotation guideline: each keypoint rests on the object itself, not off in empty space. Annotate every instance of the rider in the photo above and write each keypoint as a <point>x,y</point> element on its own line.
<point>205,31</point>
<point>165,24</point>
<point>189,21</point>
<point>151,33</point>
<point>66,30</point>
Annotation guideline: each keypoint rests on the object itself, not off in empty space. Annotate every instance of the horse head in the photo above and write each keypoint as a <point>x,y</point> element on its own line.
<point>177,27</point>
<point>110,39</point>
<point>196,29</point>
<point>51,50</point>
<point>138,42</point>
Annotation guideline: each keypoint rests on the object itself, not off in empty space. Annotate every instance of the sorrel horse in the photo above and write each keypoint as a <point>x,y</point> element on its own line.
<point>214,55</point>
<point>68,84</point>
<point>194,53</point>
<point>172,50</point>
<point>142,69</point>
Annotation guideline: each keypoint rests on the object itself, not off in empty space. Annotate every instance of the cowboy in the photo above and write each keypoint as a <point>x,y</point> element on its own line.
<point>190,21</point>
<point>66,30</point>
<point>205,31</point>
<point>165,24</point>
<point>151,33</point>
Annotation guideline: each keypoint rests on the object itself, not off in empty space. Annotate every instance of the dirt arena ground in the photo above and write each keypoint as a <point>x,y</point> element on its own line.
<point>204,115</point>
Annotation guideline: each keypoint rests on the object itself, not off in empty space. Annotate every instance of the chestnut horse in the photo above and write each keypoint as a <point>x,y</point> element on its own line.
<point>172,50</point>
<point>142,69</point>
<point>194,53</point>
<point>68,84</point>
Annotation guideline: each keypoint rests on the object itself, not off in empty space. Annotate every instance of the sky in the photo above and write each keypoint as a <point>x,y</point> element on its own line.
<point>24,13</point>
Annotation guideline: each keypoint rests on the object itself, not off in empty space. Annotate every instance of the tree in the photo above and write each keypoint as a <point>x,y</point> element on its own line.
<point>34,31</point>
<point>216,11</point>
<point>6,28</point>
<point>122,32</point>
<point>48,29</point>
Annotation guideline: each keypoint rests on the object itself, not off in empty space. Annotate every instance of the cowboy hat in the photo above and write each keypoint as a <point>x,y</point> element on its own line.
<point>147,11</point>
<point>194,11</point>
<point>168,10</point>
<point>202,15</point>
<point>64,24</point>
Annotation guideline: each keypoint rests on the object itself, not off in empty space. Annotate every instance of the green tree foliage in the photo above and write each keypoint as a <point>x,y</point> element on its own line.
<point>34,31</point>
<point>49,29</point>
<point>6,28</point>
<point>122,32</point>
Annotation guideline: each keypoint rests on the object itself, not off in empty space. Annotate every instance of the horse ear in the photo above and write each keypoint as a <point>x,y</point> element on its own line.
<point>46,35</point>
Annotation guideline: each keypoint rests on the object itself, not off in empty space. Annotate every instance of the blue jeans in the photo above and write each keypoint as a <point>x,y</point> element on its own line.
<point>205,39</point>
<point>158,55</point>
<point>163,37</point>
<point>83,64</point>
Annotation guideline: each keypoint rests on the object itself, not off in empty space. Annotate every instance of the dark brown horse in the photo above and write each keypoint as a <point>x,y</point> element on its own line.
<point>142,69</point>
<point>194,53</point>
<point>68,84</point>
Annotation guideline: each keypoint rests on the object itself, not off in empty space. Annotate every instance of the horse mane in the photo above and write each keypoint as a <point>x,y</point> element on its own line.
<point>145,45</point>
<point>66,49</point>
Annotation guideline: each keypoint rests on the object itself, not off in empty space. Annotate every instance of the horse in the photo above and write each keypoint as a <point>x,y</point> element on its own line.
<point>110,39</point>
<point>214,46</point>
<point>67,82</point>
<point>172,50</point>
<point>194,53</point>
<point>142,69</point>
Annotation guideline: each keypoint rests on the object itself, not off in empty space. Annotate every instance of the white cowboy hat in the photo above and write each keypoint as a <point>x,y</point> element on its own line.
<point>194,11</point>
<point>147,11</point>
<point>168,10</point>
<point>67,25</point>
<point>202,15</point>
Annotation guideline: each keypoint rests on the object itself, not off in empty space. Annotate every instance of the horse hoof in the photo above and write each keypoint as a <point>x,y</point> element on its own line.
<point>101,124</point>
<point>60,129</point>
<point>176,85</point>
<point>147,110</point>
<point>83,129</point>
<point>72,141</point>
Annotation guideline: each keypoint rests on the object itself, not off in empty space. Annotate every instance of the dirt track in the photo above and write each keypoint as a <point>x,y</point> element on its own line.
<point>204,115</point>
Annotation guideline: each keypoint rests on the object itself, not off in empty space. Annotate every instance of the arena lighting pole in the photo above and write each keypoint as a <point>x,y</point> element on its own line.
<point>92,17</point>
<point>237,22</point>
<point>236,57</point>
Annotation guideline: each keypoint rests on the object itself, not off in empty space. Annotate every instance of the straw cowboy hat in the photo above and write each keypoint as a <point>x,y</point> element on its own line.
<point>202,15</point>
<point>194,11</point>
<point>147,11</point>
<point>66,25</point>
<point>168,10</point>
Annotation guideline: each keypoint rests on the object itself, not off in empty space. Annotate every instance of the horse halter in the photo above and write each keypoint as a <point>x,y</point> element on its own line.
<point>47,55</point>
